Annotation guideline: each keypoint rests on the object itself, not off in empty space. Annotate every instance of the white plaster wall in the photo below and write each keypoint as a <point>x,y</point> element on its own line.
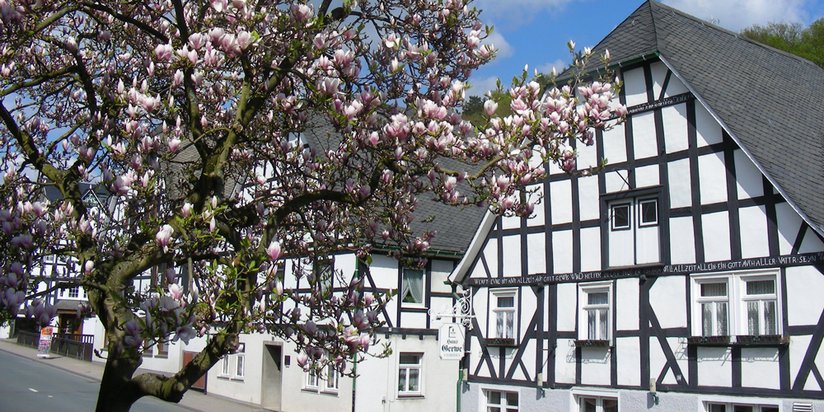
<point>712,175</point>
<point>560,193</point>
<point>512,255</point>
<point>615,145</point>
<point>748,180</point>
<point>647,176</point>
<point>510,222</point>
<point>674,119</point>
<point>629,360</point>
<point>536,253</point>
<point>753,224</point>
<point>811,243</point>
<point>565,361</point>
<point>675,87</point>
<point>248,389</point>
<point>587,155</point>
<point>682,240</point>
<point>643,132</point>
<point>680,190</point>
<point>626,304</point>
<point>562,251</point>
<point>789,222</point>
<point>714,366</point>
<point>716,234</point>
<point>590,249</point>
<point>804,302</point>
<point>635,87</point>
<point>567,294</point>
<point>668,300</point>
<point>659,73</point>
<point>480,304</point>
<point>709,131</point>
<point>595,366</point>
<point>491,255</point>
<point>440,272</point>
<point>759,368</point>
<point>588,203</point>
<point>616,180</point>
<point>798,347</point>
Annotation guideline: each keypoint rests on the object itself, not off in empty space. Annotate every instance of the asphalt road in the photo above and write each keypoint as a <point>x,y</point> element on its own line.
<point>26,385</point>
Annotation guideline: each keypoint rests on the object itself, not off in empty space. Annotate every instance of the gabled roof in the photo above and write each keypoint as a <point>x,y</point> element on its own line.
<point>770,102</point>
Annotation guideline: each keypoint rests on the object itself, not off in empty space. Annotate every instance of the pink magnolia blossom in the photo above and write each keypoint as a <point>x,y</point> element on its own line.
<point>273,250</point>
<point>164,237</point>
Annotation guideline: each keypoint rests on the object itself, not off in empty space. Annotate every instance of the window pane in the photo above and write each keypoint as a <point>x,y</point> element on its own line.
<point>510,324</point>
<point>499,324</point>
<point>412,291</point>
<point>410,359</point>
<point>620,216</point>
<point>752,318</point>
<point>769,409</point>
<point>402,379</point>
<point>649,211</point>
<point>610,405</point>
<point>413,380</point>
<point>717,408</point>
<point>706,319</point>
<point>721,307</point>
<point>598,298</point>
<point>587,404</point>
<point>511,399</point>
<point>603,323</point>
<point>493,409</point>
<point>494,397</point>
<point>770,320</point>
<point>506,301</point>
<point>760,287</point>
<point>742,408</point>
<point>713,289</point>
<point>239,370</point>
<point>591,324</point>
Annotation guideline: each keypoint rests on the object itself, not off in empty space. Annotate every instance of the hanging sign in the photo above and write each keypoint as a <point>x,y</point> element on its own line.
<point>451,340</point>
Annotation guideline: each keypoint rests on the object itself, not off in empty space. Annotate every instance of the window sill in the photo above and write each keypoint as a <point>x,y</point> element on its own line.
<point>739,340</point>
<point>410,396</point>
<point>504,342</point>
<point>592,343</point>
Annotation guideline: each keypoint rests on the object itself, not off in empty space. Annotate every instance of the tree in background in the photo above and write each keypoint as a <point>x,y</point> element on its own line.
<point>197,116</point>
<point>792,38</point>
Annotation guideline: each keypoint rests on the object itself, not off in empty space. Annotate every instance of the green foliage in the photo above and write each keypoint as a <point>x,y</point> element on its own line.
<point>792,38</point>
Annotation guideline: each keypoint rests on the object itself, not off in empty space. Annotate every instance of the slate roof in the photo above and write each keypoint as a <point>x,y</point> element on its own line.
<point>453,226</point>
<point>770,102</point>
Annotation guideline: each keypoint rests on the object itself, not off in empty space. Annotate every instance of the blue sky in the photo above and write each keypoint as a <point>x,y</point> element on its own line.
<point>535,32</point>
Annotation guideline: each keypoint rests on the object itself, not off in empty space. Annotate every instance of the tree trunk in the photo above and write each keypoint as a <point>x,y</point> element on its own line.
<point>117,391</point>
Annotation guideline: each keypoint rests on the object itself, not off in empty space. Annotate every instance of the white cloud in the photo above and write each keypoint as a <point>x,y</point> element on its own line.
<point>504,48</point>
<point>481,86</point>
<point>739,14</point>
<point>546,68</point>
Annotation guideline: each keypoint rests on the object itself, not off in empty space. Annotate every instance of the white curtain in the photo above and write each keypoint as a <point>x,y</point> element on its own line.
<point>412,288</point>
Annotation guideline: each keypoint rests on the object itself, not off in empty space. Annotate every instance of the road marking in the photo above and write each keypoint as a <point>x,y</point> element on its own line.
<point>33,390</point>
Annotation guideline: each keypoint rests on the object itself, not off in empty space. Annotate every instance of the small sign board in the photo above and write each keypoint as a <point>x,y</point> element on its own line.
<point>44,345</point>
<point>451,340</point>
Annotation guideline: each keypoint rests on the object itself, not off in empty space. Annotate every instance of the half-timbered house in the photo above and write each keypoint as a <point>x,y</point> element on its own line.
<point>688,274</point>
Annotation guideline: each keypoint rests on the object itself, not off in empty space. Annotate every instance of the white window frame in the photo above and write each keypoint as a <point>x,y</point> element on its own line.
<point>497,311</point>
<point>503,405</point>
<point>239,372</point>
<point>422,271</point>
<point>311,380</point>
<point>585,308</point>
<point>628,206</point>
<point>332,382</point>
<point>640,204</point>
<point>234,364</point>
<point>404,369</point>
<point>737,299</point>
<point>578,394</point>
<point>728,406</point>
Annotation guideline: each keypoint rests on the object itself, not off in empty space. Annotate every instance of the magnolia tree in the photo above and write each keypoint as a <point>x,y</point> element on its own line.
<point>195,116</point>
